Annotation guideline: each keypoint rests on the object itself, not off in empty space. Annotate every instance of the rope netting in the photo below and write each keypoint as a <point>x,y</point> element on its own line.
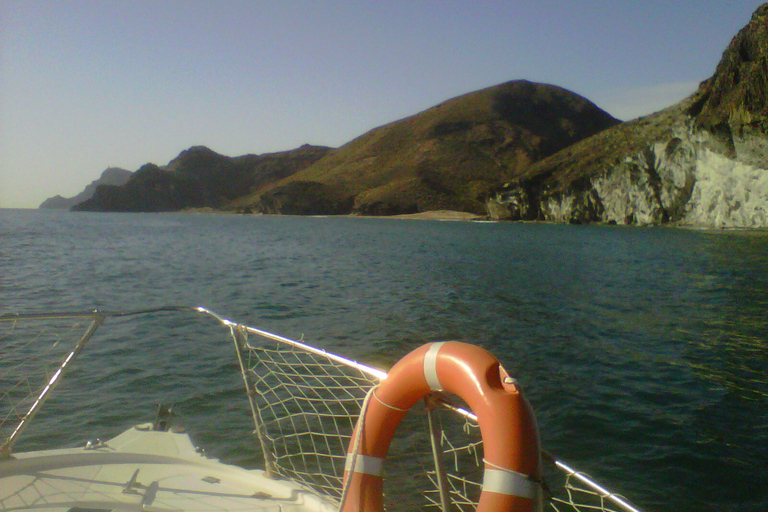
<point>462,449</point>
<point>306,404</point>
<point>575,491</point>
<point>565,490</point>
<point>34,351</point>
<point>306,407</point>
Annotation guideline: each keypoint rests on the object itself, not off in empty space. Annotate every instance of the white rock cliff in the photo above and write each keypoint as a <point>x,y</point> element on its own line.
<point>702,162</point>
<point>682,180</point>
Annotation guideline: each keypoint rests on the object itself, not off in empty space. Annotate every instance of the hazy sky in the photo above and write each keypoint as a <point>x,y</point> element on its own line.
<point>85,85</point>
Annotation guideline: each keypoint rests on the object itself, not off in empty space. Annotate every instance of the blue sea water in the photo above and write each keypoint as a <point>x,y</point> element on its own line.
<point>644,351</point>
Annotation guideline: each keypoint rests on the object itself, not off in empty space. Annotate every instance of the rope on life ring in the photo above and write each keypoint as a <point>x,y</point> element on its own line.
<point>512,473</point>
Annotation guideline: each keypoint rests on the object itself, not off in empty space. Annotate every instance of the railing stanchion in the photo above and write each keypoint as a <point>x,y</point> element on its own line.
<point>434,437</point>
<point>53,381</point>
<point>239,335</point>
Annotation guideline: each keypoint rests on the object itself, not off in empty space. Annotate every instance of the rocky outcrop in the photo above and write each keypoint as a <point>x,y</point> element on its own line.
<point>734,100</point>
<point>110,176</point>
<point>703,162</point>
<point>151,189</point>
<point>199,178</point>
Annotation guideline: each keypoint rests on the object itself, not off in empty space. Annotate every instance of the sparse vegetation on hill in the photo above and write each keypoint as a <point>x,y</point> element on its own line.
<point>199,178</point>
<point>737,94</point>
<point>518,150</point>
<point>702,161</point>
<point>450,155</point>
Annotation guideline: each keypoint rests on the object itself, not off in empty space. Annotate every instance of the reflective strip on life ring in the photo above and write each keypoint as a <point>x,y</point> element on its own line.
<point>508,427</point>
<point>364,464</point>
<point>510,483</point>
<point>430,366</point>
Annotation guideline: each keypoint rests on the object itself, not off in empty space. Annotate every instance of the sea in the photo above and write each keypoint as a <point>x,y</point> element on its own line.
<point>643,350</point>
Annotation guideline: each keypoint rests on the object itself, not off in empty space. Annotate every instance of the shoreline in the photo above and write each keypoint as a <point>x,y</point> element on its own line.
<point>441,215</point>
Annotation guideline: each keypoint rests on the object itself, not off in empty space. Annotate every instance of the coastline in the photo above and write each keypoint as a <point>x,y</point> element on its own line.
<point>442,215</point>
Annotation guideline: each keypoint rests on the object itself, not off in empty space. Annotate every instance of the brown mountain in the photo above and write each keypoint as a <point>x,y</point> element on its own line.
<point>735,98</point>
<point>518,150</point>
<point>703,161</point>
<point>447,157</point>
<point>199,177</point>
<point>110,176</point>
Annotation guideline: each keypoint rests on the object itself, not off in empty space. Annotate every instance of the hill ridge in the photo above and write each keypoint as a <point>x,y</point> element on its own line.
<point>517,150</point>
<point>447,156</point>
<point>700,162</point>
<point>198,178</point>
<point>110,176</point>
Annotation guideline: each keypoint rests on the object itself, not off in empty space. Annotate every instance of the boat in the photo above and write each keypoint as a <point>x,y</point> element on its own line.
<point>324,425</point>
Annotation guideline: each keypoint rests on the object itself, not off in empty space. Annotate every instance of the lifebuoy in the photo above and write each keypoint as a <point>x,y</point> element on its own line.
<point>512,472</point>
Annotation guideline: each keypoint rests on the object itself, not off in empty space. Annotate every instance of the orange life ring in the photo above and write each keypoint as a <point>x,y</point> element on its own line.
<point>512,474</point>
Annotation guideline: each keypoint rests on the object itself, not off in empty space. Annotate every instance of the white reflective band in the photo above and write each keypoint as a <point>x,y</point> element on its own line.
<point>364,464</point>
<point>509,483</point>
<point>430,366</point>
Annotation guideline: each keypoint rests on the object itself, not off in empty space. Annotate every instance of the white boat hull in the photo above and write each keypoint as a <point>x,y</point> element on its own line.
<point>146,470</point>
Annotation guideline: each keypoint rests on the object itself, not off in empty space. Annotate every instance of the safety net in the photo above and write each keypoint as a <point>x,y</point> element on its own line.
<point>305,403</point>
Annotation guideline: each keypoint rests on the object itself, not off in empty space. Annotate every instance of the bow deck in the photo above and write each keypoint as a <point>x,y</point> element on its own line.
<point>142,469</point>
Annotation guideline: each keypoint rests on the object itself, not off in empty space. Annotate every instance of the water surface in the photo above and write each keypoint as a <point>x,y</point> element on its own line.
<point>642,350</point>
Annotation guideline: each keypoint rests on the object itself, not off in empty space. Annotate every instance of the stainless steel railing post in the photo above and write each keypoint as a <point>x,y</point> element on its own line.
<point>240,337</point>
<point>434,437</point>
<point>5,448</point>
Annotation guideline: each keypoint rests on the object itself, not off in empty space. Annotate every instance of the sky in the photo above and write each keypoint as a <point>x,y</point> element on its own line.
<point>86,85</point>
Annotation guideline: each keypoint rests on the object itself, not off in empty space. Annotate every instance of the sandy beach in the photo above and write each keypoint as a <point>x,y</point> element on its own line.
<point>439,215</point>
<point>451,215</point>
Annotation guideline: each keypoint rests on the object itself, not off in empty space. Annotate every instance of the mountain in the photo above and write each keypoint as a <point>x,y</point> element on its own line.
<point>701,162</point>
<point>111,176</point>
<point>197,178</point>
<point>517,151</point>
<point>447,157</point>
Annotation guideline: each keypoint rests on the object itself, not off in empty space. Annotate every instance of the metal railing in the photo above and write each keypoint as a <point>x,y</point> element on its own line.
<point>304,402</point>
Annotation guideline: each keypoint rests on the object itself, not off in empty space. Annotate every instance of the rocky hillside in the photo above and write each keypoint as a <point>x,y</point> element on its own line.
<point>111,176</point>
<point>518,151</point>
<point>198,178</point>
<point>701,162</point>
<point>447,157</point>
